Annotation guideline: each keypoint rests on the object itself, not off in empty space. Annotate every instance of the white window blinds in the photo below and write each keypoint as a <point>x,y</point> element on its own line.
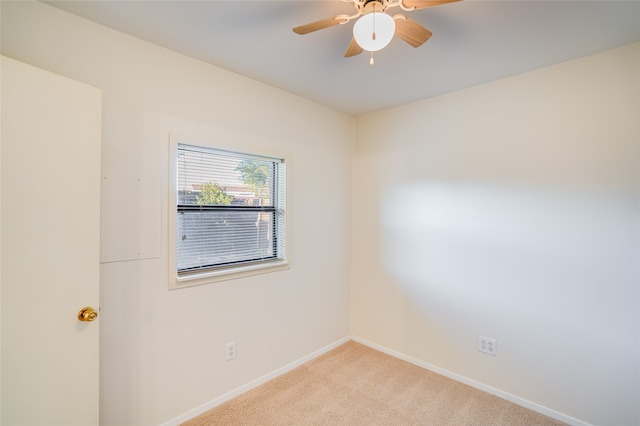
<point>230,209</point>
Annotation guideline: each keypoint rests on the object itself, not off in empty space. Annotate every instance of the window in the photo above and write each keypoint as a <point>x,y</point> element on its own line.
<point>229,216</point>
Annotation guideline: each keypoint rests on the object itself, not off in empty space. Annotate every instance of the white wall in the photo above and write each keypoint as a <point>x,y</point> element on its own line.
<point>510,210</point>
<point>163,352</point>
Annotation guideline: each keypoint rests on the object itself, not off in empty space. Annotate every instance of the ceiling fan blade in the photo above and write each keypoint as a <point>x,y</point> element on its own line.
<point>410,31</point>
<point>321,24</point>
<point>421,4</point>
<point>353,49</point>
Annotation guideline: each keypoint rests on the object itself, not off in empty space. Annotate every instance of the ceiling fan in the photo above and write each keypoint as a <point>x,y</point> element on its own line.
<point>375,29</point>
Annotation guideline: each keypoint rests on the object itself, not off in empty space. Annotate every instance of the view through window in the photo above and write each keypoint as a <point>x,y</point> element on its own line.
<point>230,209</point>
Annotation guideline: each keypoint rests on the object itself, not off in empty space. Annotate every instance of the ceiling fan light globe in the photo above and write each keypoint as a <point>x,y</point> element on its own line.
<point>363,30</point>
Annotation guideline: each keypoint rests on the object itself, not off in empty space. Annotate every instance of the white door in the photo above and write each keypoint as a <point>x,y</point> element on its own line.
<point>50,230</point>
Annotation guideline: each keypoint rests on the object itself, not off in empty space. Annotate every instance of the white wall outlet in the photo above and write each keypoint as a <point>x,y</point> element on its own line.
<point>487,345</point>
<point>231,351</point>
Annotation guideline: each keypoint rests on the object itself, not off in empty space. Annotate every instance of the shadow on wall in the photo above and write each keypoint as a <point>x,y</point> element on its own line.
<point>571,253</point>
<point>551,273</point>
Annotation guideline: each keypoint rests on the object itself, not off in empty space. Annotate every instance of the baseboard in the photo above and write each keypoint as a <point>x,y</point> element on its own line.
<point>491,390</point>
<point>280,371</point>
<point>242,389</point>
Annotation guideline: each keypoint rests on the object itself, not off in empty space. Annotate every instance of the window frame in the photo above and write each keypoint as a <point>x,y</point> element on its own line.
<point>236,270</point>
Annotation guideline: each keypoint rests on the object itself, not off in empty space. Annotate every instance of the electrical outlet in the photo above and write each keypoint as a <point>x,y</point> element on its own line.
<point>231,351</point>
<point>487,345</point>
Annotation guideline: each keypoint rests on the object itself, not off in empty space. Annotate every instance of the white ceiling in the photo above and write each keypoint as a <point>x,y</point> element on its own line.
<point>474,41</point>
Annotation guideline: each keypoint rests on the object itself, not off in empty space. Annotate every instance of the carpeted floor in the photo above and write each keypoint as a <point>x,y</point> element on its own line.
<point>356,385</point>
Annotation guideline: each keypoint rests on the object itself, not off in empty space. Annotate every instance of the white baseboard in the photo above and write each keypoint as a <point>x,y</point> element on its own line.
<point>485,388</point>
<point>242,389</point>
<point>493,391</point>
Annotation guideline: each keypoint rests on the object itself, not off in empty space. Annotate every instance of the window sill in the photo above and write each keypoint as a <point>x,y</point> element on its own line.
<point>207,277</point>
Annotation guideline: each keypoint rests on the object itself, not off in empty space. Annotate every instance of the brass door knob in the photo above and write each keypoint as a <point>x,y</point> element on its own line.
<point>87,314</point>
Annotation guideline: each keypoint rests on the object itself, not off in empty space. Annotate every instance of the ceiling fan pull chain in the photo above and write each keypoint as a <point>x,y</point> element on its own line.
<point>371,60</point>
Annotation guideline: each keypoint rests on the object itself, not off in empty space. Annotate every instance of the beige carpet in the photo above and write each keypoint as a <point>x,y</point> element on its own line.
<point>356,385</point>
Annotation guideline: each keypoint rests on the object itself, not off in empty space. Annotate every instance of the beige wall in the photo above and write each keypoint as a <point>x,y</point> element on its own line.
<point>163,352</point>
<point>510,210</point>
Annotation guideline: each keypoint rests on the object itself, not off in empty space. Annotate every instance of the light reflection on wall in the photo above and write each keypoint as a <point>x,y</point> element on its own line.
<point>464,244</point>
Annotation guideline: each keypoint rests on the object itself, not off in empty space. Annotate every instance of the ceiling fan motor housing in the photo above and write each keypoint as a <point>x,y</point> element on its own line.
<point>369,6</point>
